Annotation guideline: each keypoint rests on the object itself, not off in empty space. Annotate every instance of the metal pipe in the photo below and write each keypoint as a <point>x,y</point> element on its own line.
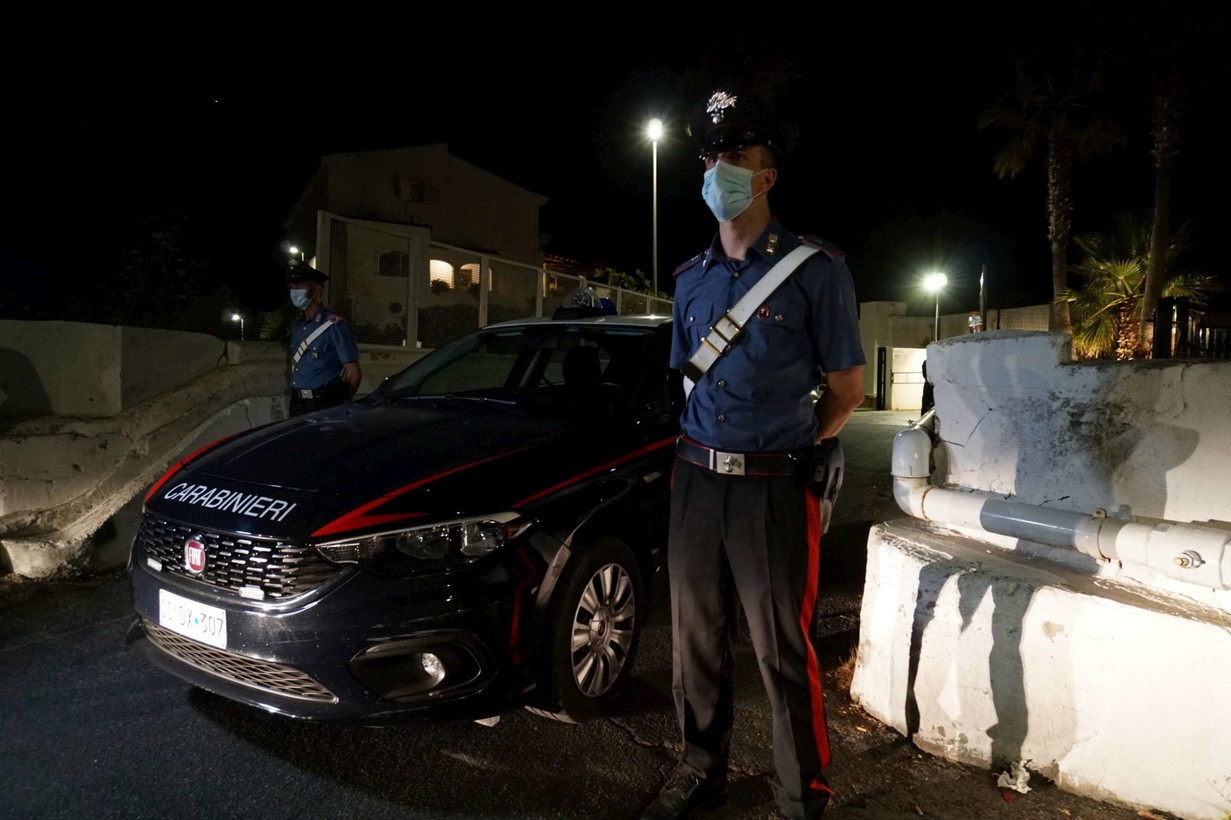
<point>1187,552</point>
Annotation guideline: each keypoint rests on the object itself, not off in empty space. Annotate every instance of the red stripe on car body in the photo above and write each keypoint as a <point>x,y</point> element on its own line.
<point>179,465</point>
<point>519,596</point>
<point>358,517</point>
<point>595,471</point>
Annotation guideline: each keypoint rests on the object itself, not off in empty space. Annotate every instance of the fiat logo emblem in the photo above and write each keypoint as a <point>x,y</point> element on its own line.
<point>194,556</point>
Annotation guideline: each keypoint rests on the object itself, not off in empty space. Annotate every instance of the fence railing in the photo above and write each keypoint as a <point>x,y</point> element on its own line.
<point>1182,332</point>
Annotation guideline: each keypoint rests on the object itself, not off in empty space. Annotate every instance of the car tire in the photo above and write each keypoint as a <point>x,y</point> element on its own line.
<point>592,632</point>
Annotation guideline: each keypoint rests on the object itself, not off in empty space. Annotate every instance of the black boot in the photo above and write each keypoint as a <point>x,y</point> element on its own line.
<point>684,793</point>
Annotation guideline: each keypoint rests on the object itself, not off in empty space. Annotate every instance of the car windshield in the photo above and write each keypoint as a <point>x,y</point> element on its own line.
<point>535,367</point>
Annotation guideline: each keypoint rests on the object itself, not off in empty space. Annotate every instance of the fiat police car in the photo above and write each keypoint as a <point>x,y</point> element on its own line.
<point>480,533</point>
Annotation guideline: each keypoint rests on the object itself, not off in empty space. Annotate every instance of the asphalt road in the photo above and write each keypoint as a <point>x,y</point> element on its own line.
<point>89,730</point>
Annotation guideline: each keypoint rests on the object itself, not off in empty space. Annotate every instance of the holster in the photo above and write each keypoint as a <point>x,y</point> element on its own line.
<point>826,469</point>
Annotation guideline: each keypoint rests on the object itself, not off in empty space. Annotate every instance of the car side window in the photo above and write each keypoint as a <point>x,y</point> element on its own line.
<point>578,364</point>
<point>485,368</point>
<point>662,393</point>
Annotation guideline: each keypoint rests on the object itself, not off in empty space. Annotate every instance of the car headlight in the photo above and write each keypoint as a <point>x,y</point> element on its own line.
<point>430,546</point>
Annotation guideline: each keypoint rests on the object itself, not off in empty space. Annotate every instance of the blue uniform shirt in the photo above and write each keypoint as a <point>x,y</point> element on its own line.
<point>757,396</point>
<point>322,362</point>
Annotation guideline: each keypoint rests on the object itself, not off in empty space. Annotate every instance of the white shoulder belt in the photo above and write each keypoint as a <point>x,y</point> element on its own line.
<point>726,330</point>
<point>303,346</point>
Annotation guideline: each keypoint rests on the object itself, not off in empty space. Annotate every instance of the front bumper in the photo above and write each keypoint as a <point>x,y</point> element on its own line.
<point>360,649</point>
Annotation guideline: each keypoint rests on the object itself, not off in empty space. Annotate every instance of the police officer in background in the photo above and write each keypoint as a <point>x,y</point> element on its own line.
<point>324,358</point>
<point>746,517</point>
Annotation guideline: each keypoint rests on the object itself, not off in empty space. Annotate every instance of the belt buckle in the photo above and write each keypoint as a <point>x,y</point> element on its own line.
<point>306,394</point>
<point>729,463</point>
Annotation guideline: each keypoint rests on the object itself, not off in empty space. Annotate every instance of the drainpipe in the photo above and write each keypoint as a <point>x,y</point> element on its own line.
<point>1187,552</point>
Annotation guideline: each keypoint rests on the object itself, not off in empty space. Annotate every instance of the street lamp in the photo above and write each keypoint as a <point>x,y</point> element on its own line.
<point>236,317</point>
<point>655,132</point>
<point>935,282</point>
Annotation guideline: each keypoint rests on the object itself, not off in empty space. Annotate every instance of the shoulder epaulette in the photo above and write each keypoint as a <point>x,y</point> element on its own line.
<point>688,264</point>
<point>831,250</point>
<point>335,318</point>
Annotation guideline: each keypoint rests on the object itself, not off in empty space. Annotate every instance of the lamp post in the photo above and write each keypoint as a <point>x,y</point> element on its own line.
<point>655,131</point>
<point>935,282</point>
<point>237,317</point>
<point>982,299</point>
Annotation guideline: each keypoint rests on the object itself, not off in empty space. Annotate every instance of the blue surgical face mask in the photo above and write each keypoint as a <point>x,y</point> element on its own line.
<point>299,298</point>
<point>727,189</point>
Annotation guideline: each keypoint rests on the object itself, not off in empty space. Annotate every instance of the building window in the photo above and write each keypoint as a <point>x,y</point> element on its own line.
<point>468,277</point>
<point>440,274</point>
<point>409,189</point>
<point>394,263</point>
<point>416,190</point>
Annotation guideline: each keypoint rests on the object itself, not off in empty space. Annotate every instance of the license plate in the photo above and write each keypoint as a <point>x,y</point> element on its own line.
<point>207,624</point>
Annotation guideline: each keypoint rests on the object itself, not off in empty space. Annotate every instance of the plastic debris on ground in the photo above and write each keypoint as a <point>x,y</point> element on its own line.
<point>1015,778</point>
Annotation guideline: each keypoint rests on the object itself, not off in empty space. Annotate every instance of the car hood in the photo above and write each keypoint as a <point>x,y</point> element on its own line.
<point>360,467</point>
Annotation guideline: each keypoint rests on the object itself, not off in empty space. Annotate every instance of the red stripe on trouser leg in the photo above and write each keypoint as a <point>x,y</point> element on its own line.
<point>820,732</point>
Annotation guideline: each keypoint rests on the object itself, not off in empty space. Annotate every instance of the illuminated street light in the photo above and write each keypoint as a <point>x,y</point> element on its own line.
<point>236,317</point>
<point>935,283</point>
<point>655,132</point>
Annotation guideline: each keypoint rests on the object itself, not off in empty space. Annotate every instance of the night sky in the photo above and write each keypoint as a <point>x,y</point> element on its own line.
<point>228,125</point>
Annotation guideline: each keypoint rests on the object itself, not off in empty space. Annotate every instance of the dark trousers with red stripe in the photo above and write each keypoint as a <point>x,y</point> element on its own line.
<point>757,537</point>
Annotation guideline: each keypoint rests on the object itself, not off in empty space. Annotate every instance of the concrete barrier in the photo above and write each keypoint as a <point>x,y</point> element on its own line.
<point>85,370</point>
<point>1106,678</point>
<point>97,413</point>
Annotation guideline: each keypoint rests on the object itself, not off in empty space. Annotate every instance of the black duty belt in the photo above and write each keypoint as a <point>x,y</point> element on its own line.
<point>328,391</point>
<point>756,464</point>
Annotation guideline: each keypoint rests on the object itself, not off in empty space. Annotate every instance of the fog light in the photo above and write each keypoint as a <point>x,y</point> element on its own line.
<point>433,667</point>
<point>422,667</point>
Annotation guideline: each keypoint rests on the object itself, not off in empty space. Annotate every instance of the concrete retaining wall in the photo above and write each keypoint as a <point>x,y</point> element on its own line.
<point>1106,678</point>
<point>1133,438</point>
<point>96,413</point>
<point>94,371</point>
<point>1109,690</point>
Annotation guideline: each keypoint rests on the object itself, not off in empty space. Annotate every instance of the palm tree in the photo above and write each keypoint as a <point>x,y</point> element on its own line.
<point>1106,309</point>
<point>1053,107</point>
<point>1166,117</point>
<point>1181,55</point>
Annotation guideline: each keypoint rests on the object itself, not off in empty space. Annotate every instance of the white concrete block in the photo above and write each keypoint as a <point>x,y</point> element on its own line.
<point>1143,439</point>
<point>1111,690</point>
<point>85,370</point>
<point>60,368</point>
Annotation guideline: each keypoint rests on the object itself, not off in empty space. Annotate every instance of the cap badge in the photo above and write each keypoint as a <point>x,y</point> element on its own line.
<point>718,105</point>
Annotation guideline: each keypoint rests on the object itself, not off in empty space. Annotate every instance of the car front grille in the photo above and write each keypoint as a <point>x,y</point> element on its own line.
<point>278,569</point>
<point>257,674</point>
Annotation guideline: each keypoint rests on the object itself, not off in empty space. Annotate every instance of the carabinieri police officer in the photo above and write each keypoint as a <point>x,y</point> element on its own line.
<point>324,358</point>
<point>746,507</point>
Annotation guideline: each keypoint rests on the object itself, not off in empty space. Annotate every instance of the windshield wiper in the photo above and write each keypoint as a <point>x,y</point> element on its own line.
<point>491,399</point>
